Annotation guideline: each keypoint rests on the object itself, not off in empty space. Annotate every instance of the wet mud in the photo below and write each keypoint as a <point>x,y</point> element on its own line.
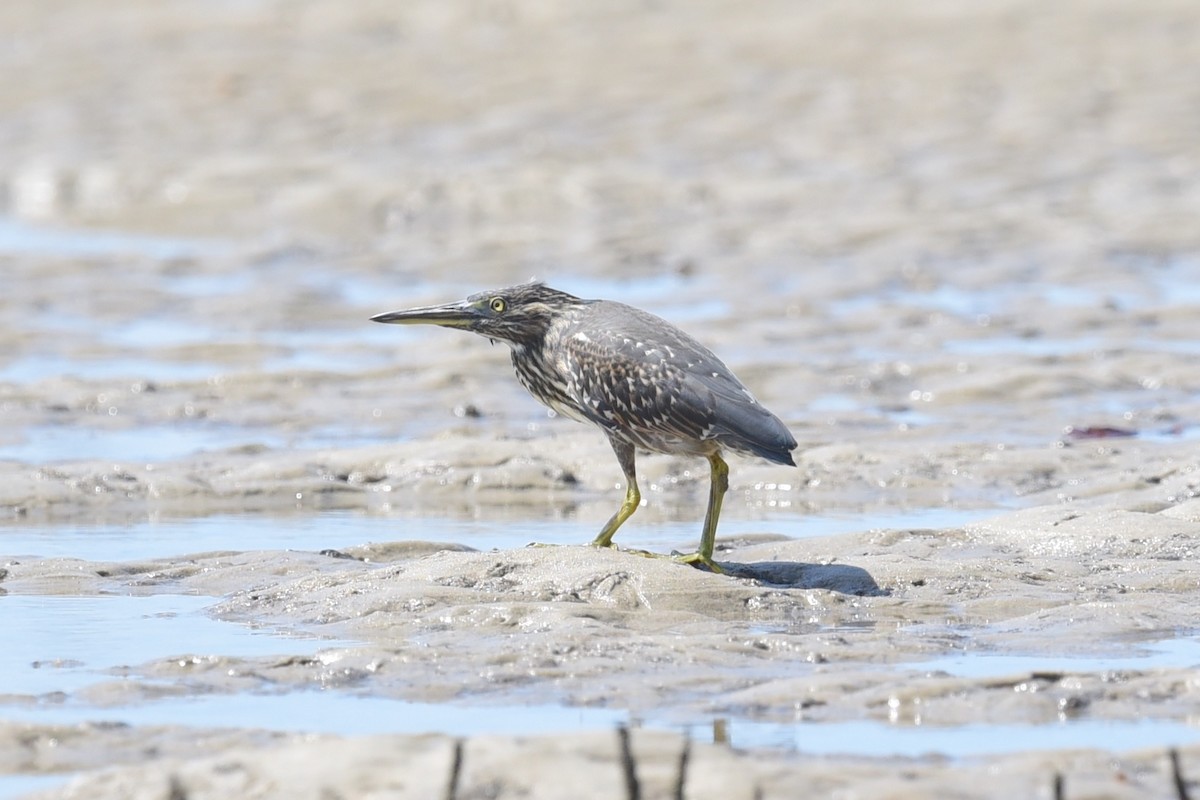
<point>953,248</point>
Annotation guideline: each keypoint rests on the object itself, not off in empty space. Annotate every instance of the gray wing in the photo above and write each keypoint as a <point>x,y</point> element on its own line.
<point>655,386</point>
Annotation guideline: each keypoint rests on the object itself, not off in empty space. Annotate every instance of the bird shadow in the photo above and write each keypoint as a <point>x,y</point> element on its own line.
<point>842,578</point>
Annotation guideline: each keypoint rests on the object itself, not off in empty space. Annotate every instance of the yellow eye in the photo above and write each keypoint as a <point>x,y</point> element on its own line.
<point>498,305</point>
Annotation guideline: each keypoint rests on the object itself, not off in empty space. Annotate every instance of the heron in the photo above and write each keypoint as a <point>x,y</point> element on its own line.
<point>644,382</point>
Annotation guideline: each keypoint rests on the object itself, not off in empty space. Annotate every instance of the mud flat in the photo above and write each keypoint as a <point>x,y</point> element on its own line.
<point>1050,618</point>
<point>255,546</point>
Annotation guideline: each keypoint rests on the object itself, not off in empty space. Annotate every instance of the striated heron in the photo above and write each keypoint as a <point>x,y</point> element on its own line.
<point>644,382</point>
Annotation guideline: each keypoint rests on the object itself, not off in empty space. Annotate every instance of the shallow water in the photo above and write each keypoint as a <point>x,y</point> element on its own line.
<point>21,785</point>
<point>1179,652</point>
<point>51,241</point>
<point>333,711</point>
<point>961,741</point>
<point>59,645</point>
<point>163,538</point>
<point>49,444</point>
<point>348,714</point>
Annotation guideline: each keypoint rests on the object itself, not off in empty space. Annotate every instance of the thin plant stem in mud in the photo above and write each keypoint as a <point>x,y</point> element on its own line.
<point>633,790</point>
<point>455,771</point>
<point>684,757</point>
<point>1181,790</point>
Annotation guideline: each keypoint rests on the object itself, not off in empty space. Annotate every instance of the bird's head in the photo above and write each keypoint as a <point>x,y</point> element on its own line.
<point>519,315</point>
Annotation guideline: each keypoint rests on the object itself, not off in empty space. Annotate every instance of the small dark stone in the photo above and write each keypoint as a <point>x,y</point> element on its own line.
<point>336,554</point>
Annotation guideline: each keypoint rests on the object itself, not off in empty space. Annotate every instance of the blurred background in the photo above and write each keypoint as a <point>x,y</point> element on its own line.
<point>938,220</point>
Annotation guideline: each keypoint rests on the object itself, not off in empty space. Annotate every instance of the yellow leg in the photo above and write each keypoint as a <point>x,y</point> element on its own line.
<point>633,497</point>
<point>718,485</point>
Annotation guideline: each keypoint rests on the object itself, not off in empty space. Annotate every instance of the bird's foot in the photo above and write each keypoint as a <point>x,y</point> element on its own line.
<point>643,553</point>
<point>697,560</point>
<point>632,551</point>
<point>700,561</point>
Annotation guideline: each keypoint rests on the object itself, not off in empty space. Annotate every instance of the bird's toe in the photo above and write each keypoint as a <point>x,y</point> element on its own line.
<point>701,561</point>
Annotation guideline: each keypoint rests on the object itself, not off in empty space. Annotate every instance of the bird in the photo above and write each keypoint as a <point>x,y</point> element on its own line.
<point>644,382</point>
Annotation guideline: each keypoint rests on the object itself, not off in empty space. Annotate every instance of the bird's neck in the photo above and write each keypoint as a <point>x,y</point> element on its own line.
<point>535,367</point>
<point>529,360</point>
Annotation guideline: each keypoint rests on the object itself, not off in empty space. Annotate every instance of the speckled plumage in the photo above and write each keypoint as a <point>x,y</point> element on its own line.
<point>646,383</point>
<point>643,380</point>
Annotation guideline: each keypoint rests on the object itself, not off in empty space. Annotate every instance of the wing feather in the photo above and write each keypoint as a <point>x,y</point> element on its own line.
<point>657,387</point>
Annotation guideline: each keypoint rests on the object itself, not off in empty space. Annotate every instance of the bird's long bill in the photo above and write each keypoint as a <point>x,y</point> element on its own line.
<point>450,315</point>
